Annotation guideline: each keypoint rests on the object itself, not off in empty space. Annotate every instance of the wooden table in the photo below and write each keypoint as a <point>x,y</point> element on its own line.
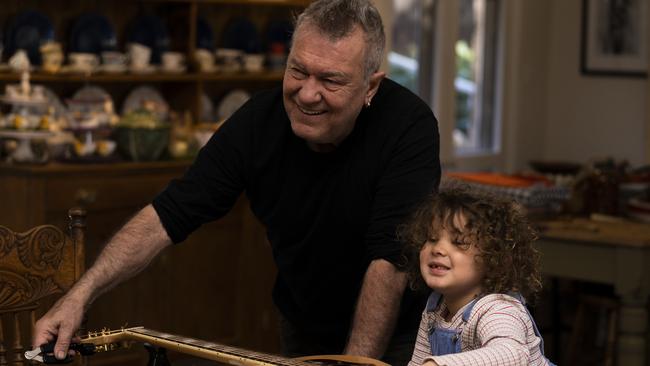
<point>615,253</point>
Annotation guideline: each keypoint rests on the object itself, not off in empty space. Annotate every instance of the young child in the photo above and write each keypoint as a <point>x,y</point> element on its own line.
<point>475,252</point>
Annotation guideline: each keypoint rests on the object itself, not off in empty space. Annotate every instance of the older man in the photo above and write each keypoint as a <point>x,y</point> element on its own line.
<point>331,164</point>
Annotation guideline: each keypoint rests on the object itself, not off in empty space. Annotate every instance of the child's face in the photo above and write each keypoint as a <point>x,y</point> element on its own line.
<point>450,269</point>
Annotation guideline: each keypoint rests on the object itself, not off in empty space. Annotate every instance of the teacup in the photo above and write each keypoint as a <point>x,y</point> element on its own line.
<point>254,62</point>
<point>173,61</point>
<point>139,55</point>
<point>229,58</point>
<point>205,60</point>
<point>82,61</point>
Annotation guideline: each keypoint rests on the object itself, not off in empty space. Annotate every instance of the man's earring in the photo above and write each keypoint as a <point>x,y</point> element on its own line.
<point>368,102</point>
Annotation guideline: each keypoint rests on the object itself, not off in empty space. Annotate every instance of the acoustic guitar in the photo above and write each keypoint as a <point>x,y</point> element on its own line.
<point>116,339</point>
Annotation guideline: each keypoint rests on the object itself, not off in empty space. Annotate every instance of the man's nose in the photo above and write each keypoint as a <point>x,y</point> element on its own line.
<point>310,92</point>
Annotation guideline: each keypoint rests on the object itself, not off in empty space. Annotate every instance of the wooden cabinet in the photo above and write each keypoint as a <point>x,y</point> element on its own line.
<point>215,286</point>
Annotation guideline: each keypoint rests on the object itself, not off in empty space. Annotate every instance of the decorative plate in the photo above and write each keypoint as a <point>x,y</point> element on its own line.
<point>146,95</point>
<point>231,102</point>
<point>92,33</point>
<point>207,109</point>
<point>27,31</point>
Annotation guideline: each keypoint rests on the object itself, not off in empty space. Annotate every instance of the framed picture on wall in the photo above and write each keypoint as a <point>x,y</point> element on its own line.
<point>614,38</point>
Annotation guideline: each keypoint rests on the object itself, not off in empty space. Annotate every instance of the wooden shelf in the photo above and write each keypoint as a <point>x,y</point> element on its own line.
<point>153,77</point>
<point>57,169</point>
<point>242,76</point>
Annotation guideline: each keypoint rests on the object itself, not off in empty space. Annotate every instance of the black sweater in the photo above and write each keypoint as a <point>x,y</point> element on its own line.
<point>327,215</point>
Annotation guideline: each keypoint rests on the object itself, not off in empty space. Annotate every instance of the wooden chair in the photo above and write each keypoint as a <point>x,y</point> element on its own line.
<point>593,339</point>
<point>35,267</point>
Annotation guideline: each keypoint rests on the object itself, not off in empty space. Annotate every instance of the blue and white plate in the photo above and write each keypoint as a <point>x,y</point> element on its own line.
<point>241,34</point>
<point>27,31</point>
<point>92,33</point>
<point>150,31</point>
<point>204,35</point>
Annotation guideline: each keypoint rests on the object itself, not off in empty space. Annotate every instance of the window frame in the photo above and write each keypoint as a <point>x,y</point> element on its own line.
<point>440,52</point>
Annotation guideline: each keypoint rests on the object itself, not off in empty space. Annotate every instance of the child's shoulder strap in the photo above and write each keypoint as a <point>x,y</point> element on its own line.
<point>468,310</point>
<point>433,301</point>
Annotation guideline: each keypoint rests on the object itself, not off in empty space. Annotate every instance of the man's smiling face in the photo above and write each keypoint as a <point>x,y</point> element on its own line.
<point>324,87</point>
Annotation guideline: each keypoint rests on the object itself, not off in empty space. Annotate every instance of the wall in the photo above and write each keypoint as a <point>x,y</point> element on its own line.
<point>525,73</point>
<point>585,116</point>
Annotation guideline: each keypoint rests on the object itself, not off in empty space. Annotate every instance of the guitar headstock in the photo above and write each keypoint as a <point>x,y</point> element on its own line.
<point>108,340</point>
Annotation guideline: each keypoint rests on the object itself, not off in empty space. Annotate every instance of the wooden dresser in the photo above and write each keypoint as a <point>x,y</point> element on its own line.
<point>215,286</point>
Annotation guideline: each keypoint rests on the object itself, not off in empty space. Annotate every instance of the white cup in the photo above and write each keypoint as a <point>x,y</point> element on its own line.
<point>254,62</point>
<point>139,55</point>
<point>83,61</point>
<point>173,60</point>
<point>205,59</point>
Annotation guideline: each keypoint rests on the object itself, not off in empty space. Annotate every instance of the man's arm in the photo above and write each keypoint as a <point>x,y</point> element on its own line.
<point>127,253</point>
<point>377,310</point>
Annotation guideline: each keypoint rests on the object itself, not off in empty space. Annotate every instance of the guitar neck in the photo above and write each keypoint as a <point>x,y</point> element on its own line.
<point>209,350</point>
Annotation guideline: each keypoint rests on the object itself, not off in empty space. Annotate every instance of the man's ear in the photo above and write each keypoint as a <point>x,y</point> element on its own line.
<point>373,84</point>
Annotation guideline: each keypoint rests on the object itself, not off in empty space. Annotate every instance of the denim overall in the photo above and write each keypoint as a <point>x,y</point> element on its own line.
<point>447,341</point>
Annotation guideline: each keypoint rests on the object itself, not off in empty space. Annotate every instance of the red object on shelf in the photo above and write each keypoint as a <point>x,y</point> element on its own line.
<point>502,180</point>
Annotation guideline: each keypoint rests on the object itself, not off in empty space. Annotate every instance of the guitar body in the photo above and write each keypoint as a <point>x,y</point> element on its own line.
<point>342,360</point>
<point>114,340</point>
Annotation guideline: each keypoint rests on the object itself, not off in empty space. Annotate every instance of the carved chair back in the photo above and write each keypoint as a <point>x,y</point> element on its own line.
<point>36,266</point>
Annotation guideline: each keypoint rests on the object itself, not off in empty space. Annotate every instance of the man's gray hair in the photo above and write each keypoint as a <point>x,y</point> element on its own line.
<point>338,18</point>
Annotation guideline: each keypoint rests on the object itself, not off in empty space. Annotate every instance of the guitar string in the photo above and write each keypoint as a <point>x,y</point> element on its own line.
<point>233,351</point>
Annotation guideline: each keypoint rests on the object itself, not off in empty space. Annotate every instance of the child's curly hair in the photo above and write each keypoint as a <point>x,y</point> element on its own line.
<point>498,228</point>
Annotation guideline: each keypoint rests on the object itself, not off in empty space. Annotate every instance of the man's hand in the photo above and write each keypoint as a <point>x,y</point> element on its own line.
<point>126,254</point>
<point>430,363</point>
<point>60,323</point>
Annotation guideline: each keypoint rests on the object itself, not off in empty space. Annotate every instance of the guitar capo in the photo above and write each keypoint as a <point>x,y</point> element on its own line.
<point>45,353</point>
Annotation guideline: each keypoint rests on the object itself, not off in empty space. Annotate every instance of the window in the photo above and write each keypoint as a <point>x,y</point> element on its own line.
<point>446,51</point>
<point>404,55</point>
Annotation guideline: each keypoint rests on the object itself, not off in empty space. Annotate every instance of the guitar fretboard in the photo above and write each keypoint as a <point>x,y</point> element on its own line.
<point>214,351</point>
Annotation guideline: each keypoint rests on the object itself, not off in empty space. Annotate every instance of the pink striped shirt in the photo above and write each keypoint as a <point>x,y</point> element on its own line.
<point>499,331</point>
